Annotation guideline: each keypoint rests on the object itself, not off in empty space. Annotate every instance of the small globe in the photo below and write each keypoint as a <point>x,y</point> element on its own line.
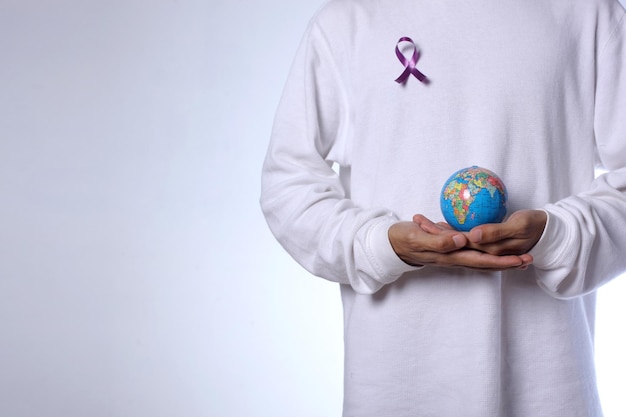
<point>473,196</point>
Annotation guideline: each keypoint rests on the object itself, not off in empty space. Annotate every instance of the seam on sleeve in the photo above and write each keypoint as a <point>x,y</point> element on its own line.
<point>344,134</point>
<point>614,33</point>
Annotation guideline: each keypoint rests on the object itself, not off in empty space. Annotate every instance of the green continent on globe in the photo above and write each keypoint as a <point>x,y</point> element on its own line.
<point>462,190</point>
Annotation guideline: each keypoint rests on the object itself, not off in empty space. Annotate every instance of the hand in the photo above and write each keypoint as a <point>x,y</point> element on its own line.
<point>516,236</point>
<point>422,242</point>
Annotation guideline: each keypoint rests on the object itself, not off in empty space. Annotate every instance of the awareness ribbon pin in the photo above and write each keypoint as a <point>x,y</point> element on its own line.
<point>409,64</point>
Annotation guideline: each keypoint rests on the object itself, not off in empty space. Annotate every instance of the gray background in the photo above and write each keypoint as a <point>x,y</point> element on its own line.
<point>137,276</point>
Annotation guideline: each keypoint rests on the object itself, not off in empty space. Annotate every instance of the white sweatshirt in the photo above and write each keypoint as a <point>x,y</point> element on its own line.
<point>532,90</point>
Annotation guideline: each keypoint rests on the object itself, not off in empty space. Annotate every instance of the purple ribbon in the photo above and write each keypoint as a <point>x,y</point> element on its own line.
<point>409,64</point>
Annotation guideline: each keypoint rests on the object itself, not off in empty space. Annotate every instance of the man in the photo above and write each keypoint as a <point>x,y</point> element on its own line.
<point>497,321</point>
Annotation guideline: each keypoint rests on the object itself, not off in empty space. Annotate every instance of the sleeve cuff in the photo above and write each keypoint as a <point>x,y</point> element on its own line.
<point>388,265</point>
<point>555,251</point>
<point>556,245</point>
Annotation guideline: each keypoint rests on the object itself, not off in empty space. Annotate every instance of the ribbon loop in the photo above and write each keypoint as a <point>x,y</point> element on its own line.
<point>409,65</point>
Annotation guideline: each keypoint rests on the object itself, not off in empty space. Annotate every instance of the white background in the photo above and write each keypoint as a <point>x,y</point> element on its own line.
<point>137,276</point>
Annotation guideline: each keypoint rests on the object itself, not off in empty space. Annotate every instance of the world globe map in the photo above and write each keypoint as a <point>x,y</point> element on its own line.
<point>473,196</point>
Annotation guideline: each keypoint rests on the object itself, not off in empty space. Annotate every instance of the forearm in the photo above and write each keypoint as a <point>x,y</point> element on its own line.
<point>310,215</point>
<point>584,242</point>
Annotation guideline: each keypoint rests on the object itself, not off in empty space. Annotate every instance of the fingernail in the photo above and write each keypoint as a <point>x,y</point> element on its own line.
<point>459,241</point>
<point>476,235</point>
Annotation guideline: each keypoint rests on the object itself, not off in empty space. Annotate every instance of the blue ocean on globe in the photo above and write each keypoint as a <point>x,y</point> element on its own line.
<point>473,196</point>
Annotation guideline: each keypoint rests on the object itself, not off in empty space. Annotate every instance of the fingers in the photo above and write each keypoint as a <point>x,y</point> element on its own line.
<point>522,224</point>
<point>527,260</point>
<point>487,247</point>
<point>482,261</point>
<point>442,232</point>
<point>423,242</point>
<point>444,225</point>
<point>517,235</point>
<point>415,246</point>
<point>435,228</point>
<point>489,233</point>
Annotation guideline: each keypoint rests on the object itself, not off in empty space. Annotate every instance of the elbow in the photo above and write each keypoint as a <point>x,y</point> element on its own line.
<point>565,286</point>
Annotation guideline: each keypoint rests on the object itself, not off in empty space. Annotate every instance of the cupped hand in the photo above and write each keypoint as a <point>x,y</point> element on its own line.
<point>422,242</point>
<point>516,236</point>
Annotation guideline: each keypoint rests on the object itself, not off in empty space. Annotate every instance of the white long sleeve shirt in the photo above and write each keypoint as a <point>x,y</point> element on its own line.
<point>533,90</point>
